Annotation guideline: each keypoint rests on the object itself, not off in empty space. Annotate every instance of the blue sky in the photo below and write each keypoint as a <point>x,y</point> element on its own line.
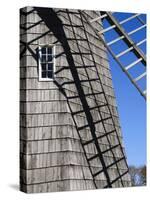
<point>131,105</point>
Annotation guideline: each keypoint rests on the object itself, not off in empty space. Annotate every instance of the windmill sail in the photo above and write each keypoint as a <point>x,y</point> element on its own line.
<point>132,42</point>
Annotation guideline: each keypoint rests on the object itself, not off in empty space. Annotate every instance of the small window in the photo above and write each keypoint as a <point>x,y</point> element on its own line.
<point>46,62</point>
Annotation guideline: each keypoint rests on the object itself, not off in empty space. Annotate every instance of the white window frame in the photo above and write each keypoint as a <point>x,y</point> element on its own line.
<point>39,61</point>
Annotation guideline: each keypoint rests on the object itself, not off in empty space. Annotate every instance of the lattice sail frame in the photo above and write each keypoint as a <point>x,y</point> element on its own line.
<point>132,45</point>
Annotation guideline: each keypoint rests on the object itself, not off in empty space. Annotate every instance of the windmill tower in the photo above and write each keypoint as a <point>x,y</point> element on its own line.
<point>70,136</point>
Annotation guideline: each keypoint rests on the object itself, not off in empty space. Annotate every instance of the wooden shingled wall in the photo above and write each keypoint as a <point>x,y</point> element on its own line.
<point>51,154</point>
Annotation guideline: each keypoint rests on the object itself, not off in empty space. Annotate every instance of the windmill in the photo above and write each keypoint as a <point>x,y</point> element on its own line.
<point>70,134</point>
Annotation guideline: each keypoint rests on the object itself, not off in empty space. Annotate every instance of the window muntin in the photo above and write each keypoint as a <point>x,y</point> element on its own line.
<point>46,62</point>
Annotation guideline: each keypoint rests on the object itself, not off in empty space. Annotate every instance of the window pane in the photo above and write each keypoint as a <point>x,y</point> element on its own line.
<point>43,50</point>
<point>50,58</point>
<point>43,66</point>
<point>46,62</point>
<point>43,58</point>
<point>49,50</point>
<point>50,74</point>
<point>43,74</point>
<point>50,66</point>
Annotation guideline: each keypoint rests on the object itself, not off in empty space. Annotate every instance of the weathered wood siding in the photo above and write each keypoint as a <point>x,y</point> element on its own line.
<point>51,155</point>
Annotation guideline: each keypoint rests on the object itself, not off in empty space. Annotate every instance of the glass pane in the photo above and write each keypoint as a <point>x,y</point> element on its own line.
<point>43,74</point>
<point>43,58</point>
<point>50,66</point>
<point>50,58</point>
<point>43,66</point>
<point>50,74</point>
<point>43,50</point>
<point>49,50</point>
